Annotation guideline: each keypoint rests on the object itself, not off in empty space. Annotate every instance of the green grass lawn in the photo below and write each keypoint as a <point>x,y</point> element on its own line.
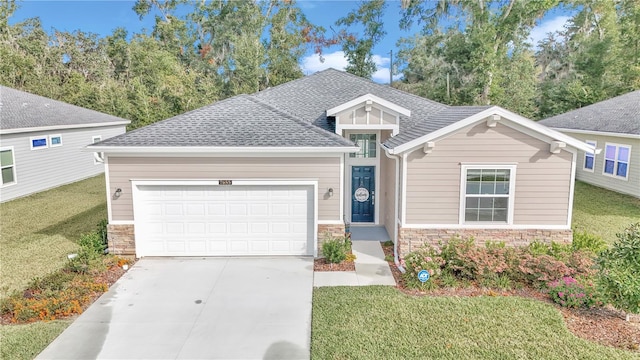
<point>37,232</point>
<point>26,341</point>
<point>603,212</point>
<point>383,323</point>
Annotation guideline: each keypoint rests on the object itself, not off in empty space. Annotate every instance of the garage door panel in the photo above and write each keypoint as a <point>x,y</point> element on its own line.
<point>201,221</point>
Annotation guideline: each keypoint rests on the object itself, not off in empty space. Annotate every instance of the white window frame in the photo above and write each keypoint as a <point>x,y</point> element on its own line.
<point>587,154</point>
<point>15,173</point>
<point>51,137</point>
<point>616,161</point>
<point>46,140</point>
<point>463,192</point>
<point>98,157</point>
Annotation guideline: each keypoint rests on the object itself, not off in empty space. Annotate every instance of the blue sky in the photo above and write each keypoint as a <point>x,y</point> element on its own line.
<point>101,17</point>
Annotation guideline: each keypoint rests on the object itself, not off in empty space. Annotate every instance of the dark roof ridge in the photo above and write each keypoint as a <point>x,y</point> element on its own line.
<point>305,124</point>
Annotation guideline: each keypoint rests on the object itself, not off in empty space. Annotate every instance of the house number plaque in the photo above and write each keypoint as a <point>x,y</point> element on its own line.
<point>361,194</point>
<point>225,182</point>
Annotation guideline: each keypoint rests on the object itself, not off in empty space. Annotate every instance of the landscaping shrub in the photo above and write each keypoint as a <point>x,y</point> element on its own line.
<point>496,265</point>
<point>568,292</point>
<point>588,242</point>
<point>427,258</point>
<point>335,249</point>
<point>619,275</point>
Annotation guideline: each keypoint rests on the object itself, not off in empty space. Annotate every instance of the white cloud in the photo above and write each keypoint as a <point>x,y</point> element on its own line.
<point>540,32</point>
<point>336,60</point>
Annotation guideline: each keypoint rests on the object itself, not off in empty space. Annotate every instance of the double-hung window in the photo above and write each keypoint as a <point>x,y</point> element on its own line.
<point>487,193</point>
<point>7,166</point>
<point>589,157</point>
<point>616,160</point>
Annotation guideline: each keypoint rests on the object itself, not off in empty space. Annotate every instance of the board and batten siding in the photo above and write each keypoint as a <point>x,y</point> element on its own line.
<point>542,184</point>
<point>326,170</point>
<point>629,186</point>
<point>45,168</point>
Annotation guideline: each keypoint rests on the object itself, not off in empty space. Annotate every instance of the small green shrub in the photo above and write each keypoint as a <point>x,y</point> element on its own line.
<point>102,232</point>
<point>537,248</point>
<point>334,250</point>
<point>568,292</point>
<point>497,281</point>
<point>388,258</point>
<point>619,269</point>
<point>93,243</point>
<point>387,243</point>
<point>588,242</point>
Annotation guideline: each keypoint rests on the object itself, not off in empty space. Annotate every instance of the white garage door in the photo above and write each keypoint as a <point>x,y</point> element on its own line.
<point>223,220</point>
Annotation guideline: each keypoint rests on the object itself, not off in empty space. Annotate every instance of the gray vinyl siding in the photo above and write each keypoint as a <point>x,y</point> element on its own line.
<point>629,186</point>
<point>542,184</point>
<point>326,170</point>
<point>46,168</point>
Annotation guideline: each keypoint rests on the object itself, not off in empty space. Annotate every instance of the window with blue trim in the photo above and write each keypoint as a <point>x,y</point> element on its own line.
<point>589,157</point>
<point>39,142</point>
<point>616,160</point>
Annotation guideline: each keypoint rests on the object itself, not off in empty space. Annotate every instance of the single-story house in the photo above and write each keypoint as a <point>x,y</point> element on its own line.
<point>42,142</point>
<point>271,172</point>
<point>612,126</point>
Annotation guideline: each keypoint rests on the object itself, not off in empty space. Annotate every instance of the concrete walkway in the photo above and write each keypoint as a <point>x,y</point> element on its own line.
<point>371,268</point>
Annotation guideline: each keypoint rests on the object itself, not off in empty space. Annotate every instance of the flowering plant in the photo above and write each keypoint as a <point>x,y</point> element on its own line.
<point>568,292</point>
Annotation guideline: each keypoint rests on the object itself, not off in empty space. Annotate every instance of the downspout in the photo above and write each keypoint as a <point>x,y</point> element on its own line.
<point>396,259</point>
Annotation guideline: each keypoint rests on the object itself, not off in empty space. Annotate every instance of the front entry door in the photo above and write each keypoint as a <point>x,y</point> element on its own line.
<point>363,193</point>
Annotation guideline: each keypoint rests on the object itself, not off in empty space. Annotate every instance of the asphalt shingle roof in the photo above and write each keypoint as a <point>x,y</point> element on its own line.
<point>19,109</point>
<point>289,115</point>
<point>620,114</point>
<point>240,121</point>
<point>433,122</point>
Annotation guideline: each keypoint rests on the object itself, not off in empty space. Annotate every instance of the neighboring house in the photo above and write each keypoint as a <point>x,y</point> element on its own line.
<point>42,142</point>
<point>270,173</point>
<point>613,127</point>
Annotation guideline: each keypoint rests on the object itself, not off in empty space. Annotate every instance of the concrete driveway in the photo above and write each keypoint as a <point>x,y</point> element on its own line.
<point>198,308</point>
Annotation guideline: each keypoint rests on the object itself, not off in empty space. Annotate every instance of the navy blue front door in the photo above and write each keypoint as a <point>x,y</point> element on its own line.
<point>363,193</point>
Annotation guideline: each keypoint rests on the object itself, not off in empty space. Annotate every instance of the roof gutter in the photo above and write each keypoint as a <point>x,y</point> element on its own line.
<point>62,127</point>
<point>214,149</point>
<point>396,258</point>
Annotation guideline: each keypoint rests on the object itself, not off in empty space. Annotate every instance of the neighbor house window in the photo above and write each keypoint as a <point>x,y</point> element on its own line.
<point>38,142</point>
<point>589,157</point>
<point>616,160</point>
<point>367,144</point>
<point>7,166</point>
<point>98,157</point>
<point>487,193</point>
<point>55,140</point>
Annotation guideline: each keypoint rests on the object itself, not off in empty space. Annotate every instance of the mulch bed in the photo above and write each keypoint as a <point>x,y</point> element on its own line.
<point>605,326</point>
<point>321,264</point>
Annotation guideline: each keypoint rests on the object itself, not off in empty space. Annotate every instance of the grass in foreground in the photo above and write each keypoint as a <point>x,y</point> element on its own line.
<point>27,341</point>
<point>383,323</point>
<point>603,212</point>
<point>37,232</point>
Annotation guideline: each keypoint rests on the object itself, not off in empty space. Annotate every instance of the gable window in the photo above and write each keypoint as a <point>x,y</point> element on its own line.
<point>589,157</point>
<point>38,142</point>
<point>616,160</point>
<point>487,193</point>
<point>98,157</point>
<point>7,166</point>
<point>55,140</point>
<point>367,144</point>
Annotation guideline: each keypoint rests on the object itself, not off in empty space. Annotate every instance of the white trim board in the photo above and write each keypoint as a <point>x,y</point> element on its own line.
<point>190,150</point>
<point>61,127</point>
<point>486,227</point>
<point>602,133</point>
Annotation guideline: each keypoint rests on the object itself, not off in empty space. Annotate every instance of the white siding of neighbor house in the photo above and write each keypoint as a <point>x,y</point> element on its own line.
<point>542,184</point>
<point>629,186</point>
<point>45,168</point>
<point>326,170</point>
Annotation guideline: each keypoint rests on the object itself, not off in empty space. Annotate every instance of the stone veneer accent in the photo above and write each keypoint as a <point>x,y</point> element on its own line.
<point>411,239</point>
<point>336,230</point>
<point>121,239</point>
